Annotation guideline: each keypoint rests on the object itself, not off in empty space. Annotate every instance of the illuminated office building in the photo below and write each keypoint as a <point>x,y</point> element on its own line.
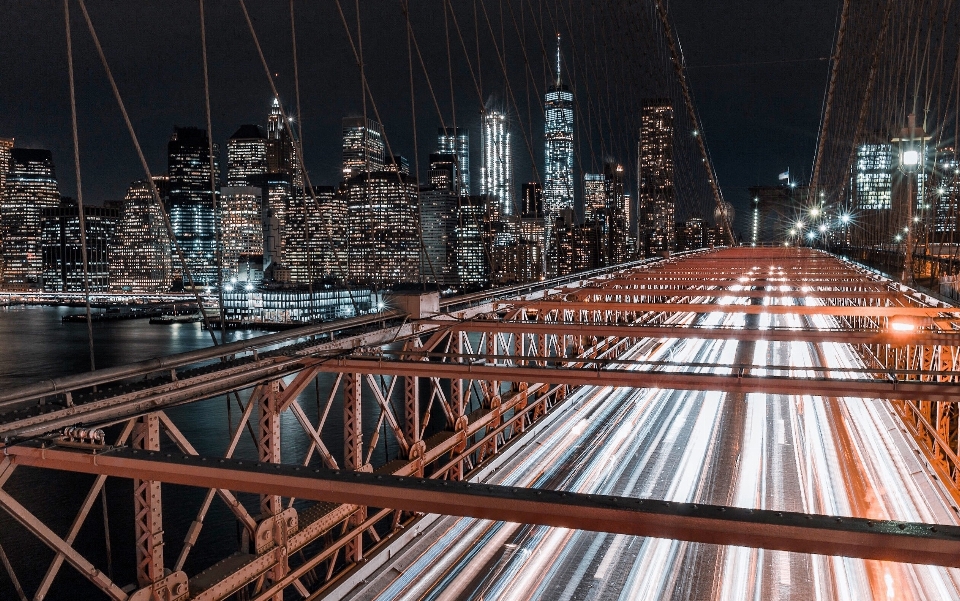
<point>616,227</point>
<point>594,196</point>
<point>531,239</point>
<point>364,147</point>
<point>62,250</point>
<point>472,265</point>
<point>326,241</point>
<point>655,175</point>
<point>438,220</point>
<point>30,187</point>
<point>558,183</point>
<point>241,232</point>
<point>383,225</point>
<point>140,259</point>
<point>246,157</point>
<point>873,179</point>
<point>456,141</point>
<point>944,193</point>
<point>277,199</point>
<point>694,236</point>
<point>281,150</point>
<point>496,181</point>
<point>6,146</point>
<point>191,204</point>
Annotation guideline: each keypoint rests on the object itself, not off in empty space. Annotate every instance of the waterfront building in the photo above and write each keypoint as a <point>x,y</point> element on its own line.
<point>364,146</point>
<point>470,252</point>
<point>438,219</point>
<point>496,181</point>
<point>655,177</point>
<point>246,157</point>
<point>456,141</point>
<point>62,251</point>
<point>251,305</point>
<point>30,187</point>
<point>241,232</point>
<point>558,193</point>
<point>191,204</point>
<point>383,225</point>
<point>140,259</point>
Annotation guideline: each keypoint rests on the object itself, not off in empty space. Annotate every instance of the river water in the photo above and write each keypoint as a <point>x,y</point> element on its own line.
<point>35,345</point>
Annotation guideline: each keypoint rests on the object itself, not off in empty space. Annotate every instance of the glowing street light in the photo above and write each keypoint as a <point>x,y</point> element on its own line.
<point>911,141</point>
<point>845,218</point>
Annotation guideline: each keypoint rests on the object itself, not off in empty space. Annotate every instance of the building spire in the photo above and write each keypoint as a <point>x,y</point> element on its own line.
<point>558,59</point>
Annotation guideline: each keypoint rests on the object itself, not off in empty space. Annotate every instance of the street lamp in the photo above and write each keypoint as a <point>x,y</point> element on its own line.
<point>911,143</point>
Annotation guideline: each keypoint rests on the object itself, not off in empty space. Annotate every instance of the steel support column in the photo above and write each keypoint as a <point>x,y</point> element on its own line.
<point>147,507</point>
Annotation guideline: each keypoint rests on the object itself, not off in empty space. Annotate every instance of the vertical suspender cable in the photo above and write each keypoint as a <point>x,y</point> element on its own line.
<point>146,168</point>
<point>218,218</point>
<point>76,166</point>
<point>828,103</point>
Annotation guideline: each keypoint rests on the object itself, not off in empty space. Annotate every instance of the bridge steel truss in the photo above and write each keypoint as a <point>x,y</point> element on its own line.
<point>483,371</point>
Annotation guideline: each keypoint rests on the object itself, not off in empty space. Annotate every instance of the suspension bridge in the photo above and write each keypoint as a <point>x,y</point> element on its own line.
<point>771,421</point>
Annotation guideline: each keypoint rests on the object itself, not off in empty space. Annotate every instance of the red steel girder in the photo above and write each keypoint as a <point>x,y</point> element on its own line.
<point>707,333</point>
<point>847,311</point>
<point>735,383</point>
<point>786,531</point>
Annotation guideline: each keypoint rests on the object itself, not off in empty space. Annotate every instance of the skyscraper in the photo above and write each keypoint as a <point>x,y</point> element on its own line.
<point>496,179</point>
<point>140,259</point>
<point>456,141</point>
<point>617,228</point>
<point>473,267</point>
<point>531,247</point>
<point>246,157</point>
<point>6,145</point>
<point>191,204</point>
<point>594,196</point>
<point>558,153</point>
<point>873,180</point>
<point>383,224</point>
<point>438,219</point>
<point>281,150</point>
<point>62,254</point>
<point>326,240</point>
<point>241,232</point>
<point>30,187</point>
<point>655,173</point>
<point>363,146</point>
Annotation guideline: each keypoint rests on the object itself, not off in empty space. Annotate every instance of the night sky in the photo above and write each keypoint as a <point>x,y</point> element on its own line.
<point>759,119</point>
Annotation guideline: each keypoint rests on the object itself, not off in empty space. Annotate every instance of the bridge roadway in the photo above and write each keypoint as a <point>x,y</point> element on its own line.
<point>843,457</point>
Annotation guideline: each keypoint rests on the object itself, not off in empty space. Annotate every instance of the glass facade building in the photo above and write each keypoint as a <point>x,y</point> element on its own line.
<point>438,219</point>
<point>30,187</point>
<point>191,204</point>
<point>364,147</point>
<point>873,180</point>
<point>62,251</point>
<point>496,181</point>
<point>456,141</point>
<point>246,157</point>
<point>558,184</point>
